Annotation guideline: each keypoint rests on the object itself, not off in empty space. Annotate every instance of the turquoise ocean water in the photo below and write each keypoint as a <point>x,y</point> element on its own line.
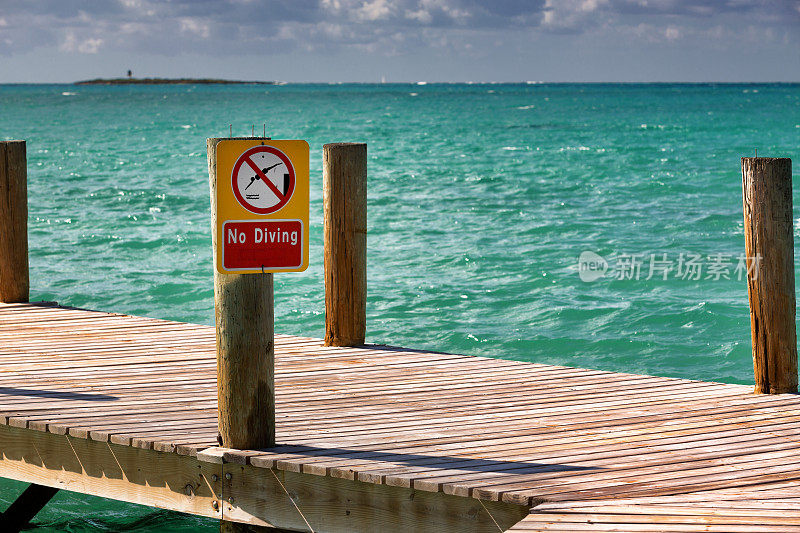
<point>481,200</point>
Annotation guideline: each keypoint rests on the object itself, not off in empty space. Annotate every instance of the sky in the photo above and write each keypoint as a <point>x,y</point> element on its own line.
<point>46,41</point>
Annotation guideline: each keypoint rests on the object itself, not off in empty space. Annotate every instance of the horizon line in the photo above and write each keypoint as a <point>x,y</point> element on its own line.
<point>424,82</point>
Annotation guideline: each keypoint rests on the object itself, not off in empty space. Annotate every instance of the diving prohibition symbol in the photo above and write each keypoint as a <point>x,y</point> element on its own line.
<point>263,180</point>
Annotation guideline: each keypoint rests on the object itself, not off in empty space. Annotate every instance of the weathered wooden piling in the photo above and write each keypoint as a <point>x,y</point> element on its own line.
<point>14,280</point>
<point>345,234</point>
<point>243,306</point>
<point>769,246</point>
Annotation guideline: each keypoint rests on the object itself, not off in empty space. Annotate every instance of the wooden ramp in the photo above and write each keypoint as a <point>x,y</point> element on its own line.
<point>388,439</point>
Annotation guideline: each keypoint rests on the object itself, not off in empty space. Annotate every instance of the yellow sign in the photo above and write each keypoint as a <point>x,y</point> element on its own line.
<point>262,206</point>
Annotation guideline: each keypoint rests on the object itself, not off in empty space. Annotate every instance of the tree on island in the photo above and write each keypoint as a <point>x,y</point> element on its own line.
<point>130,73</point>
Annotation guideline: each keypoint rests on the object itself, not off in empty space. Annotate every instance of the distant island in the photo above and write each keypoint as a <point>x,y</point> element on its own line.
<point>168,81</point>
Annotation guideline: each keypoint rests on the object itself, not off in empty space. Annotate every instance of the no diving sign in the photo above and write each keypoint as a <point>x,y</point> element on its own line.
<point>263,180</point>
<point>262,194</point>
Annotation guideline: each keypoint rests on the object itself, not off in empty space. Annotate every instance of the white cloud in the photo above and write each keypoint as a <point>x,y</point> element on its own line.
<point>195,26</point>
<point>331,5</point>
<point>421,11</point>
<point>446,8</point>
<point>421,15</point>
<point>335,31</point>
<point>133,27</point>
<point>672,33</point>
<point>71,44</point>
<point>571,15</point>
<point>374,10</point>
<point>655,34</point>
<point>90,46</point>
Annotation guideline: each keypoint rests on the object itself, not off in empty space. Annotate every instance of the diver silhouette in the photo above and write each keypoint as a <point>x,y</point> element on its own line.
<point>253,179</point>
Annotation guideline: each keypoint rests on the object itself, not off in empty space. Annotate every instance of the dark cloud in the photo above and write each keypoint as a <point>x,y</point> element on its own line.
<point>690,8</point>
<point>578,16</point>
<point>507,12</point>
<point>64,9</point>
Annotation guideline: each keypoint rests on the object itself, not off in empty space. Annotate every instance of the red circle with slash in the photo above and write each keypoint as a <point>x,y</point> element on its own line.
<point>282,196</point>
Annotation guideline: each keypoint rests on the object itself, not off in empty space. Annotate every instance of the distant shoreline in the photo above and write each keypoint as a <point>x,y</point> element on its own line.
<point>169,81</point>
<point>209,81</point>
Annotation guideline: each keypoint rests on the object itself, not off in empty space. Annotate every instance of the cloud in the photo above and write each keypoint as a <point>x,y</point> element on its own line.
<point>375,10</point>
<point>195,26</point>
<point>571,15</point>
<point>690,8</point>
<point>426,12</point>
<point>72,43</point>
<point>672,33</point>
<point>380,26</point>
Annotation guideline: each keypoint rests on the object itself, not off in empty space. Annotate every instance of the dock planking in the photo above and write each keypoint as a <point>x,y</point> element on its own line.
<point>378,436</point>
<point>765,507</point>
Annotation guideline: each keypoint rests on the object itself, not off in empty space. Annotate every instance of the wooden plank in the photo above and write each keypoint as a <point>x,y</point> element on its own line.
<point>765,507</point>
<point>663,523</point>
<point>164,480</point>
<point>302,502</point>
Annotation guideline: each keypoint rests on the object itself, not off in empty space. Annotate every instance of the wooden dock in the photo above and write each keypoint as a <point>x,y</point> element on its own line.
<point>376,438</point>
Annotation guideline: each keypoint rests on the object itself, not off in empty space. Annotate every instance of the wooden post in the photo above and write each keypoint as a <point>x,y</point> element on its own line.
<point>245,347</point>
<point>769,245</point>
<point>344,197</point>
<point>14,281</point>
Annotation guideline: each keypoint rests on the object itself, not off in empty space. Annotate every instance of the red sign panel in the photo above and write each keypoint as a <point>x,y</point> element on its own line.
<point>267,244</point>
